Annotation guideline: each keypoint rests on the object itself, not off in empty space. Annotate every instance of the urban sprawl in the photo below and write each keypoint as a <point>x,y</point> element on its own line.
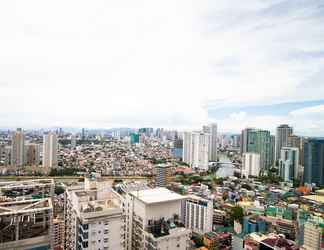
<point>160,189</point>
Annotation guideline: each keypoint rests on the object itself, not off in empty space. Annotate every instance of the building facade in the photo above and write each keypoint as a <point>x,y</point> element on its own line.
<point>251,164</point>
<point>153,220</point>
<point>196,149</point>
<point>314,161</point>
<point>282,133</point>
<point>94,217</point>
<point>289,163</point>
<point>198,214</point>
<point>18,148</point>
<point>50,150</point>
<point>163,175</point>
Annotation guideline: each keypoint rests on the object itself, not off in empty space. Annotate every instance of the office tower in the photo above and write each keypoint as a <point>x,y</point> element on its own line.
<point>195,149</point>
<point>282,133</point>
<point>295,141</point>
<point>245,139</point>
<point>236,141</point>
<point>314,161</point>
<point>32,154</point>
<point>163,175</point>
<point>134,138</point>
<point>288,163</point>
<point>198,214</point>
<point>257,141</point>
<point>154,220</point>
<point>212,151</point>
<point>18,148</point>
<point>251,164</point>
<point>26,214</point>
<point>50,150</point>
<point>272,150</point>
<point>93,216</point>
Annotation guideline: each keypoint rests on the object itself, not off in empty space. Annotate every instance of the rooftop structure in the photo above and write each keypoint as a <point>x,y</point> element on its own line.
<point>26,214</point>
<point>156,195</point>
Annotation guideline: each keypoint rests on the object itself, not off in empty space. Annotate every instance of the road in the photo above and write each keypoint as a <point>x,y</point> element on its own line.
<point>70,178</point>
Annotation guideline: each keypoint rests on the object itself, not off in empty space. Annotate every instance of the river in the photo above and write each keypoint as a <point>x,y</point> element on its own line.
<point>225,170</point>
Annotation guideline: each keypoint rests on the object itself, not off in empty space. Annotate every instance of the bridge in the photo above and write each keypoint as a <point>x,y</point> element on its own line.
<point>226,163</point>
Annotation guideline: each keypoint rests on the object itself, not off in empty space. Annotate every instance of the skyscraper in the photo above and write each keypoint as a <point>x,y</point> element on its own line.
<point>18,148</point>
<point>257,141</point>
<point>212,152</point>
<point>50,150</point>
<point>314,161</point>
<point>195,149</point>
<point>288,163</point>
<point>282,133</point>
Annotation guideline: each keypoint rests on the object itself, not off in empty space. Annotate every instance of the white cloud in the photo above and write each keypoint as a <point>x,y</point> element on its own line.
<point>157,63</point>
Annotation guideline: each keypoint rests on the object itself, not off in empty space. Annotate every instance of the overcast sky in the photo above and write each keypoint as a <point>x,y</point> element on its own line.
<point>169,63</point>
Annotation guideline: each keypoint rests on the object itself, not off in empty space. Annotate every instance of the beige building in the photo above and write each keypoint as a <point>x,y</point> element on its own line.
<point>18,148</point>
<point>50,150</point>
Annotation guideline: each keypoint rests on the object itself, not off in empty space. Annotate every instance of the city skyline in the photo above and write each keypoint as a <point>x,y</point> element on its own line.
<point>164,64</point>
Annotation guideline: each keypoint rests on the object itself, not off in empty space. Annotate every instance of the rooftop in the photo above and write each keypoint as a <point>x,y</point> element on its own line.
<point>157,195</point>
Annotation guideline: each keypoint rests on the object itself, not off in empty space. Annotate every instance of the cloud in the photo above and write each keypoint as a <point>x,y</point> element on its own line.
<point>157,63</point>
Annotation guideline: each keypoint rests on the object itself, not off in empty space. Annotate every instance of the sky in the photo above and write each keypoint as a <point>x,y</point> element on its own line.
<point>174,64</point>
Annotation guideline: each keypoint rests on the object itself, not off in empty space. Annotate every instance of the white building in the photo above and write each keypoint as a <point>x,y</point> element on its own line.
<point>18,148</point>
<point>289,163</point>
<point>94,217</point>
<point>212,151</point>
<point>282,133</point>
<point>251,164</point>
<point>50,150</point>
<point>198,214</point>
<point>153,220</point>
<point>196,149</point>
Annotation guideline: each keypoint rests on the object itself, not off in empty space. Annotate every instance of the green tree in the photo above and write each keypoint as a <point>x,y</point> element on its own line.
<point>237,213</point>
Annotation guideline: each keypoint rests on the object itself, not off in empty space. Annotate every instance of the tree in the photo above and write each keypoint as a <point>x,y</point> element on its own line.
<point>59,190</point>
<point>237,213</point>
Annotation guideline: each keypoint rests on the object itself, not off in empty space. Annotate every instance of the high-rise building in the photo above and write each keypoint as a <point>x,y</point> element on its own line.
<point>198,214</point>
<point>134,138</point>
<point>289,163</point>
<point>73,141</point>
<point>251,164</point>
<point>295,141</point>
<point>212,151</point>
<point>282,133</point>
<point>314,161</point>
<point>154,220</point>
<point>26,214</point>
<point>272,150</point>
<point>163,175</point>
<point>50,150</point>
<point>18,148</point>
<point>32,154</point>
<point>313,235</point>
<point>196,149</point>
<point>257,141</point>
<point>93,217</point>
